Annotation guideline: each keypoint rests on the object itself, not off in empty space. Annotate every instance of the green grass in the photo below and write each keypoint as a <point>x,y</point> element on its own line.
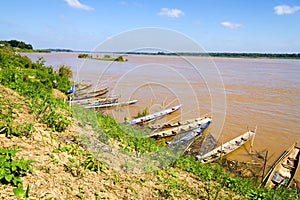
<point>34,82</point>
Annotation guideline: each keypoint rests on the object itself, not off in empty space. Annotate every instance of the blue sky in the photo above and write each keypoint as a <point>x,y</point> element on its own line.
<point>217,25</point>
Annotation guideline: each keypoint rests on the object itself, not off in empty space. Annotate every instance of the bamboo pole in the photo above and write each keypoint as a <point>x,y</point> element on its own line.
<point>265,163</point>
<point>252,140</point>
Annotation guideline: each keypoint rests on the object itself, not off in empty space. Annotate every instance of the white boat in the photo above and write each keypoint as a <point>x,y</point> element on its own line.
<point>112,104</point>
<point>226,148</point>
<point>153,116</point>
<point>180,129</point>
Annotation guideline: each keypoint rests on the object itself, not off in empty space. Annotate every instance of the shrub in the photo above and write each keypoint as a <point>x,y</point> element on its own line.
<point>83,55</point>
<point>11,170</point>
<point>65,71</point>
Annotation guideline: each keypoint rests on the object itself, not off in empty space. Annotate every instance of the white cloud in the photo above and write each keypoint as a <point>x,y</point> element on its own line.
<point>77,4</point>
<point>171,12</point>
<point>285,9</point>
<point>231,25</point>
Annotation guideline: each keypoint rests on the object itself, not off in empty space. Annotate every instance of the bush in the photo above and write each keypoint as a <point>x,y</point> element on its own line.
<point>83,55</point>
<point>11,170</point>
<point>65,71</point>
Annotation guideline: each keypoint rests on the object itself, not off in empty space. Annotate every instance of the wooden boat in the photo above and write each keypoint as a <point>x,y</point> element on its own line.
<point>101,101</point>
<point>83,87</point>
<point>153,116</point>
<point>176,124</point>
<point>94,101</point>
<point>81,93</point>
<point>190,135</point>
<point>112,104</point>
<point>180,129</point>
<point>226,148</point>
<point>284,169</point>
<point>91,95</point>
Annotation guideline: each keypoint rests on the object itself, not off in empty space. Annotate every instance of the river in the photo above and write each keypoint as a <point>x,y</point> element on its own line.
<point>259,92</point>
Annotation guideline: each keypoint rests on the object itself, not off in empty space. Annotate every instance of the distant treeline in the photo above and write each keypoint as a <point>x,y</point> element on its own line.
<point>16,44</point>
<point>230,55</point>
<point>60,50</point>
<point>20,46</point>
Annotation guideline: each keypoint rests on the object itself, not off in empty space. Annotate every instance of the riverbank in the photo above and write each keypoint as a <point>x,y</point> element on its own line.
<point>62,157</point>
<point>64,168</point>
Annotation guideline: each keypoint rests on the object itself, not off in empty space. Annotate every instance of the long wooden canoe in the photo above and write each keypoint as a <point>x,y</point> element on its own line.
<point>96,100</point>
<point>226,148</point>
<point>180,129</point>
<point>190,135</point>
<point>176,124</point>
<point>153,116</point>
<point>83,87</point>
<point>82,93</point>
<point>284,169</point>
<point>112,104</point>
<point>91,95</point>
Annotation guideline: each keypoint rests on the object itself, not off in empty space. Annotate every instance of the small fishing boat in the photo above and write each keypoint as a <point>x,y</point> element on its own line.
<point>180,129</point>
<point>190,135</point>
<point>226,148</point>
<point>153,116</point>
<point>83,87</point>
<point>108,100</point>
<point>284,169</point>
<point>81,93</point>
<point>112,104</point>
<point>176,124</point>
<point>96,101</point>
<point>98,94</point>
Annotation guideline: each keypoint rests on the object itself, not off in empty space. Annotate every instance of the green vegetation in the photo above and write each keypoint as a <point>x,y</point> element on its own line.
<point>16,43</point>
<point>83,55</point>
<point>12,169</point>
<point>58,50</point>
<point>105,57</point>
<point>144,112</point>
<point>20,46</point>
<point>226,181</point>
<point>34,81</point>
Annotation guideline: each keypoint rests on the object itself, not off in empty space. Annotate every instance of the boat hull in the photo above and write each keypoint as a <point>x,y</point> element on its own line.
<point>226,148</point>
<point>284,169</point>
<point>153,116</point>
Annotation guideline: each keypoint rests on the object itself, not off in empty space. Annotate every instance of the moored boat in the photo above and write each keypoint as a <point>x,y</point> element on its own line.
<point>284,169</point>
<point>106,105</point>
<point>153,116</point>
<point>99,101</point>
<point>180,129</point>
<point>97,94</point>
<point>226,148</point>
<point>81,93</point>
<point>93,101</point>
<point>189,135</point>
<point>176,124</point>
<point>83,87</point>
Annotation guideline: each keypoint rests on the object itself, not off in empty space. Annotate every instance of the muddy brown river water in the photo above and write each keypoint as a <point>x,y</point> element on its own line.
<point>259,92</point>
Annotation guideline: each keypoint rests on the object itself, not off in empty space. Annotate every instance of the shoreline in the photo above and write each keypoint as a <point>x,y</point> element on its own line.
<point>170,55</point>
